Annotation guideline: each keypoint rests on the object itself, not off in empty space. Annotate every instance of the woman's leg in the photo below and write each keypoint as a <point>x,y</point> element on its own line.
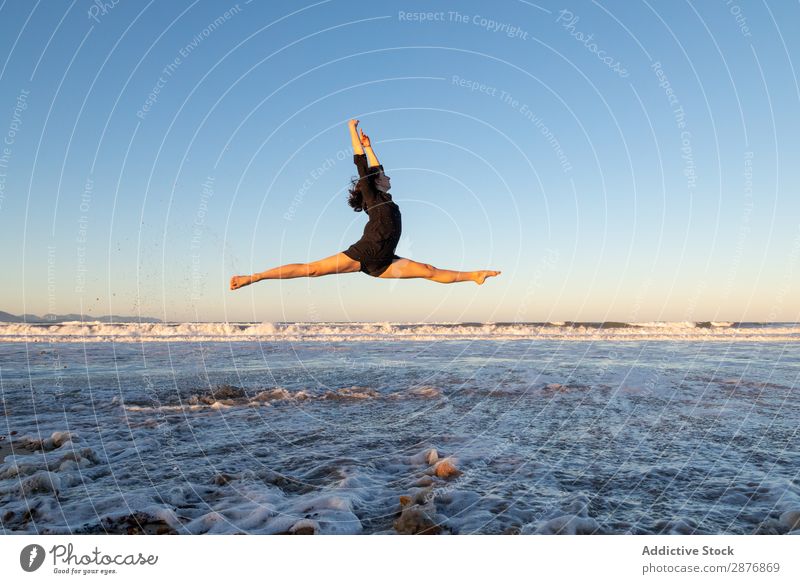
<point>405,268</point>
<point>335,264</point>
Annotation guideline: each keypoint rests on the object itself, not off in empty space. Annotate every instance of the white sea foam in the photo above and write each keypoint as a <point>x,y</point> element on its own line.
<point>558,438</point>
<point>81,332</point>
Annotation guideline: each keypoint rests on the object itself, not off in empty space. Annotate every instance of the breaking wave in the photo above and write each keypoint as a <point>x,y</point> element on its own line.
<point>391,331</point>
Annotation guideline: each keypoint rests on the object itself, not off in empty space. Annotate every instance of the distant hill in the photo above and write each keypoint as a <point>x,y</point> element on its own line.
<point>32,318</point>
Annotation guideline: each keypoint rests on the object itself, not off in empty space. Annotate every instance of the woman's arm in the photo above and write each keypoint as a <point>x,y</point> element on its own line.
<point>371,158</point>
<point>354,139</point>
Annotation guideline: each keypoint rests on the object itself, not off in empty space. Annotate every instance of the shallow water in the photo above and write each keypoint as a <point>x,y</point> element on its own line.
<point>546,436</point>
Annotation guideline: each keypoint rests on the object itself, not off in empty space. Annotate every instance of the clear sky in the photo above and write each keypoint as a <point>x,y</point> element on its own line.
<point>628,161</point>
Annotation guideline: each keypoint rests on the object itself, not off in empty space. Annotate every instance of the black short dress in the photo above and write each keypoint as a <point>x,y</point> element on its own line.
<point>375,249</point>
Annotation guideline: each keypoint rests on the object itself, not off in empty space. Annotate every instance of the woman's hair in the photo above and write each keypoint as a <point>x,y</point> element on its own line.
<point>356,199</point>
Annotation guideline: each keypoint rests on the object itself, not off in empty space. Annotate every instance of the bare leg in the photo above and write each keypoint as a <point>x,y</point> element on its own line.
<point>405,268</point>
<point>335,264</point>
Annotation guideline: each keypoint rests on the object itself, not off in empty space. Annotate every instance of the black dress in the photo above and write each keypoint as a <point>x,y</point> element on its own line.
<point>375,249</point>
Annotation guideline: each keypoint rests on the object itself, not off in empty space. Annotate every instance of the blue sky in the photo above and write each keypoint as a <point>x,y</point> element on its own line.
<point>616,160</point>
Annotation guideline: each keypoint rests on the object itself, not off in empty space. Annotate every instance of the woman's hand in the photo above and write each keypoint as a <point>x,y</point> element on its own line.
<point>352,126</point>
<point>365,140</point>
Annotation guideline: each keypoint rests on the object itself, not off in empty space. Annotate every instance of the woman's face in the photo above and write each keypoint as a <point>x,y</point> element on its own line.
<point>382,183</point>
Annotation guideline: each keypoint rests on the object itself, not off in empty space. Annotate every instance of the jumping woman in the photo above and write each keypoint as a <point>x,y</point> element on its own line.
<point>373,254</point>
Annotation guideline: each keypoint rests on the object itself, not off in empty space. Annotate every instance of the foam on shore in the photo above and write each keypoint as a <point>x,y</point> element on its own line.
<point>81,332</point>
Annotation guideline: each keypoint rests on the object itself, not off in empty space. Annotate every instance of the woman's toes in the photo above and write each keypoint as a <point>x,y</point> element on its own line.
<point>481,277</point>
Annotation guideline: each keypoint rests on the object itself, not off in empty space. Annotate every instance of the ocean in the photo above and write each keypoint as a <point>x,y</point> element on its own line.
<point>450,428</point>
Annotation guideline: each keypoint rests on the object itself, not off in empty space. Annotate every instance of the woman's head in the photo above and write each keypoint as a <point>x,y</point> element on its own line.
<point>377,180</point>
<point>382,182</point>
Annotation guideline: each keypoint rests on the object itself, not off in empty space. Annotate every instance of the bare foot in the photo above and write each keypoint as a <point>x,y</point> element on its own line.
<point>483,274</point>
<point>239,281</point>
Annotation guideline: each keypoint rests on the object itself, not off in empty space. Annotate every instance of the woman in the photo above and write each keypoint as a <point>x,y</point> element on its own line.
<point>373,254</point>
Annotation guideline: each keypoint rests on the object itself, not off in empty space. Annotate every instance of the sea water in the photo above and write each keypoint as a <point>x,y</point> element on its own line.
<point>392,428</point>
